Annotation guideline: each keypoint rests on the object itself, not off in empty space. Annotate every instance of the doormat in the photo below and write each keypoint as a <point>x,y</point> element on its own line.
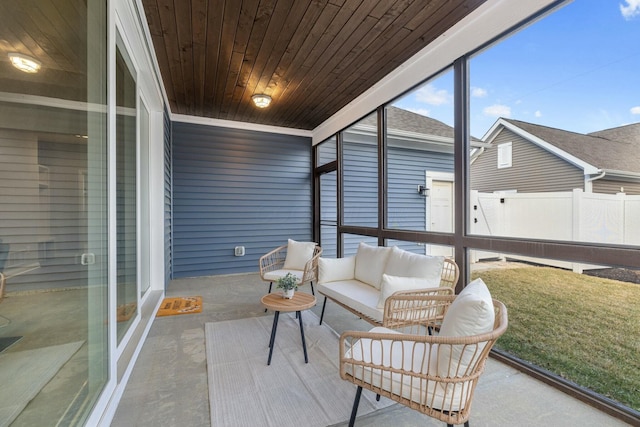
<point>126,311</point>
<point>180,305</point>
<point>7,342</point>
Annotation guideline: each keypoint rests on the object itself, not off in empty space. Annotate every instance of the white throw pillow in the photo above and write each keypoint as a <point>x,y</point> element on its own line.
<point>370,263</point>
<point>335,269</point>
<point>391,284</point>
<point>407,264</point>
<point>298,254</point>
<point>471,313</point>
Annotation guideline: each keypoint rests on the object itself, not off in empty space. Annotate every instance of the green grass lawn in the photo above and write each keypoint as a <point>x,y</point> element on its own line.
<point>585,329</point>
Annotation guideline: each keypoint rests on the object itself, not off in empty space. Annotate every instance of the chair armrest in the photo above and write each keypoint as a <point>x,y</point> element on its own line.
<point>417,311</point>
<point>273,260</point>
<point>310,273</point>
<point>450,273</point>
<point>358,347</point>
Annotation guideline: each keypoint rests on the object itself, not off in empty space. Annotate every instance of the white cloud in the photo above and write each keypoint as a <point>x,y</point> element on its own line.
<point>432,96</point>
<point>421,111</point>
<point>631,10</point>
<point>478,92</point>
<point>497,110</point>
<point>538,113</point>
<point>635,110</point>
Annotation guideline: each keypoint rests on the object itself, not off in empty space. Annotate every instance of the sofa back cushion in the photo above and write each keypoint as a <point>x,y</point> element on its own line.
<point>392,284</point>
<point>407,264</point>
<point>298,254</point>
<point>336,269</point>
<point>471,313</point>
<point>370,263</point>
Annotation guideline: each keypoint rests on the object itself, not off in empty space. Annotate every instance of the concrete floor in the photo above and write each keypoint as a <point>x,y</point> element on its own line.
<point>168,385</point>
<point>44,319</point>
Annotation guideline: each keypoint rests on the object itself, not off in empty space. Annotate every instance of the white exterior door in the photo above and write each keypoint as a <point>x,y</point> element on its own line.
<point>440,205</point>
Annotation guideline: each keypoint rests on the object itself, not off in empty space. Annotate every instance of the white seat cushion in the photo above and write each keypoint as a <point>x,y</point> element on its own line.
<point>298,254</point>
<point>406,355</point>
<point>370,264</point>
<point>355,294</point>
<point>274,275</point>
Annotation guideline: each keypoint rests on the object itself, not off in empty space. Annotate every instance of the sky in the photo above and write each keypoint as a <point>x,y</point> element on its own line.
<point>577,69</point>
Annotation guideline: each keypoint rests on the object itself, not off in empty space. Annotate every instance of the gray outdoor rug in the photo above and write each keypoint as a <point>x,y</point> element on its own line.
<point>27,372</point>
<point>244,391</point>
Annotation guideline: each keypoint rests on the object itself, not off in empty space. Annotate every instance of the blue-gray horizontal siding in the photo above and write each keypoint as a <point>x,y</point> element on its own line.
<point>405,171</point>
<point>236,188</point>
<point>360,175</point>
<point>406,209</point>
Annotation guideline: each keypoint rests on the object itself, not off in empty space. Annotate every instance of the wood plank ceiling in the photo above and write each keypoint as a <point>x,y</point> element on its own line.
<point>312,57</point>
<point>55,34</point>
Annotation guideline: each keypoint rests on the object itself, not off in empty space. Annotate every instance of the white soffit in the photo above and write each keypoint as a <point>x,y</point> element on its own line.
<point>484,24</point>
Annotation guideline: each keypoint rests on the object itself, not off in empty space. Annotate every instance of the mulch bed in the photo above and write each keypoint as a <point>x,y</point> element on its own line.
<point>621,274</point>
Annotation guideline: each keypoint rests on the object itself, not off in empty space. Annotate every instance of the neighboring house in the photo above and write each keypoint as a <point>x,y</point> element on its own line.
<point>525,157</point>
<point>420,153</point>
<point>552,184</point>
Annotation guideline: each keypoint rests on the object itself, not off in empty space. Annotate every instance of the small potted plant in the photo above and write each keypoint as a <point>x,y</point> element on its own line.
<point>288,283</point>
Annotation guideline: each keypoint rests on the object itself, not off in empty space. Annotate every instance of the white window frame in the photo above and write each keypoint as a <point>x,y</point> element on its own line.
<point>505,155</point>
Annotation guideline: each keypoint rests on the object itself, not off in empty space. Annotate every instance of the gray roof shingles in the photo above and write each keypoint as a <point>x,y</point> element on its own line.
<point>408,121</point>
<point>612,149</point>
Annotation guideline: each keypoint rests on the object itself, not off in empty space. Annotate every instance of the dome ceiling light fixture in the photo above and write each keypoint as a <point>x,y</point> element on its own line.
<point>261,100</point>
<point>25,63</point>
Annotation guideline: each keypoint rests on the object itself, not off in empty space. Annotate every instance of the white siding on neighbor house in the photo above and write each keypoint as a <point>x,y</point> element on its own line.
<point>533,169</point>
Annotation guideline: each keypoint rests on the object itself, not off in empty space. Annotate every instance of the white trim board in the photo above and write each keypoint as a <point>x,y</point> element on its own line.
<point>206,121</point>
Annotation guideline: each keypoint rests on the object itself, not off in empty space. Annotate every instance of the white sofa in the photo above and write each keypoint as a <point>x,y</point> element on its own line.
<point>362,283</point>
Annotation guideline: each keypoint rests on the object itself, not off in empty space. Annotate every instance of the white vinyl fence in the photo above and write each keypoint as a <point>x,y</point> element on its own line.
<point>565,216</point>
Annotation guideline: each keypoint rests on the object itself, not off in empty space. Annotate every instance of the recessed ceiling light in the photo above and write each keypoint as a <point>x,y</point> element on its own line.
<point>24,63</point>
<point>261,100</point>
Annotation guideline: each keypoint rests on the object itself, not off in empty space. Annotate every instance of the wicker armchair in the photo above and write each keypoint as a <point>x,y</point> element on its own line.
<point>435,375</point>
<point>272,267</point>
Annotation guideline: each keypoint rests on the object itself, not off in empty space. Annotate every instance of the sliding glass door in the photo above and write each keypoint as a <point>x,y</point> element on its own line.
<point>53,211</point>
<point>126,201</point>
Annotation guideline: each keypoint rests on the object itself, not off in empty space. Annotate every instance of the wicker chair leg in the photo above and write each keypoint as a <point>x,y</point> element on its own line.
<point>354,410</point>
<point>324,304</point>
<point>466,424</point>
<point>312,291</point>
<point>377,398</point>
